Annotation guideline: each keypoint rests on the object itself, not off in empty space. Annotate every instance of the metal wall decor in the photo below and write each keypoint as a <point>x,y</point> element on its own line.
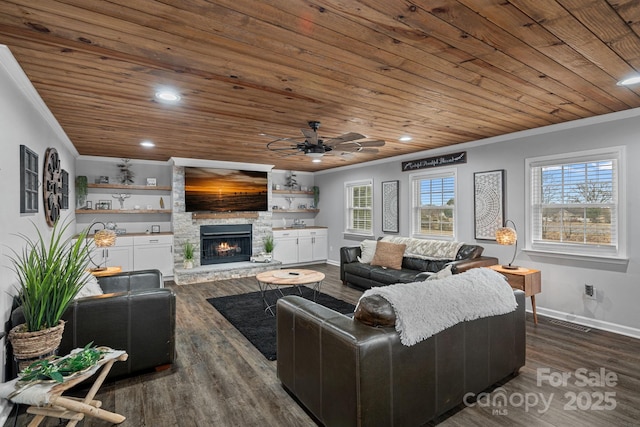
<point>52,181</point>
<point>28,180</point>
<point>390,207</point>
<point>488,203</point>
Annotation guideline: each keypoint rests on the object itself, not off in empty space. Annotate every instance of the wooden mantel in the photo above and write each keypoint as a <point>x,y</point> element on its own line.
<point>224,215</point>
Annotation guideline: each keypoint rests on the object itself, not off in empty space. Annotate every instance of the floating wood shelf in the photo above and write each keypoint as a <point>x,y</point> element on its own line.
<point>130,187</point>
<point>296,210</point>
<point>222,215</point>
<point>122,211</point>
<point>301,193</point>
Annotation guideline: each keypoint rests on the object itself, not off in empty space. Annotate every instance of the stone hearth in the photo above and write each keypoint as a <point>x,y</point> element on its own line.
<point>233,270</point>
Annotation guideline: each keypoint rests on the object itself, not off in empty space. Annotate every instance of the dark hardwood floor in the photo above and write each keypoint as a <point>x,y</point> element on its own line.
<point>220,379</point>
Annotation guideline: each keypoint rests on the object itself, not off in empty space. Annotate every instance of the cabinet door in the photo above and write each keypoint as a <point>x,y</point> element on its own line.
<point>285,247</point>
<point>305,248</point>
<point>153,253</point>
<point>320,246</point>
<point>120,256</point>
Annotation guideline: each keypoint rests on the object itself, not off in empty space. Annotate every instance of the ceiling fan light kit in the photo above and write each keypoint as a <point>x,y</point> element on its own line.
<point>315,147</point>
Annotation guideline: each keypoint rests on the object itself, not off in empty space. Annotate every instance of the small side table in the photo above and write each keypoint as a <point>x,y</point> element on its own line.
<point>55,405</point>
<point>110,271</point>
<point>525,279</point>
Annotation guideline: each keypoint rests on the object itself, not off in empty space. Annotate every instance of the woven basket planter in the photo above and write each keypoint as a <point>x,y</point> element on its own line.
<point>28,346</point>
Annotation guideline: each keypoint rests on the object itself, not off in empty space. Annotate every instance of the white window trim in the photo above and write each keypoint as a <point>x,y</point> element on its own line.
<point>564,251</point>
<point>347,203</point>
<point>438,173</point>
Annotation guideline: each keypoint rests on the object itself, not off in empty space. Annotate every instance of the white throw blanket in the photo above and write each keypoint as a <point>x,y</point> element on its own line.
<point>427,249</point>
<point>425,308</point>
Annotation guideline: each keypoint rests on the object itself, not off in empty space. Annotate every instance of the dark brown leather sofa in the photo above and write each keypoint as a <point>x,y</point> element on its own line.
<point>135,313</point>
<point>349,374</point>
<point>365,276</point>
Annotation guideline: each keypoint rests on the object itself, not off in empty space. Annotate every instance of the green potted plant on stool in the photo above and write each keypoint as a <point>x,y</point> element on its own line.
<point>187,254</point>
<point>50,273</point>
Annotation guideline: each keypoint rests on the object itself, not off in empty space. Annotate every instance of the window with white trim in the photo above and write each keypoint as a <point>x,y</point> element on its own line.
<point>433,212</point>
<point>575,205</point>
<point>359,202</point>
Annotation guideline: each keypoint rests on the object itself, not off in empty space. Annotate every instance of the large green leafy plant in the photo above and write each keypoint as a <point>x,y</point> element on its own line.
<point>50,272</point>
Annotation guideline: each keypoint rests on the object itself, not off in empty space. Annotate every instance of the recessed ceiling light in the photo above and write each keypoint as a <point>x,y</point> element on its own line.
<point>147,144</point>
<point>405,138</point>
<point>629,81</point>
<point>316,161</point>
<point>167,95</point>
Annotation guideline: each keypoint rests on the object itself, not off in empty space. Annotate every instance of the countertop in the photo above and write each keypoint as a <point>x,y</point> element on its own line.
<point>308,227</point>
<point>163,233</point>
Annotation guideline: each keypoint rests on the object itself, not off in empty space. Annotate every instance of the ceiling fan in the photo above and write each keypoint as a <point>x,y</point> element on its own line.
<point>313,146</point>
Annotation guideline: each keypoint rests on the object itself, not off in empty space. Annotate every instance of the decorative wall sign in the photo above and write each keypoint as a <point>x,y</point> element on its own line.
<point>432,162</point>
<point>390,205</point>
<point>28,180</point>
<point>488,203</point>
<point>52,181</point>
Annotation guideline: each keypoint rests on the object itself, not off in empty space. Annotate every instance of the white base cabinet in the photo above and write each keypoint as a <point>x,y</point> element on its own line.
<point>300,246</point>
<point>145,252</point>
<point>153,252</point>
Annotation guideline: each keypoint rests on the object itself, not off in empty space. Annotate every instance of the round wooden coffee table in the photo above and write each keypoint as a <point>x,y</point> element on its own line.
<point>274,280</point>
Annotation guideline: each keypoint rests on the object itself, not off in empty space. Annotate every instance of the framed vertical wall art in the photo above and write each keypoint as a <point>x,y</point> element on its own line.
<point>64,202</point>
<point>28,180</point>
<point>489,203</point>
<point>390,207</point>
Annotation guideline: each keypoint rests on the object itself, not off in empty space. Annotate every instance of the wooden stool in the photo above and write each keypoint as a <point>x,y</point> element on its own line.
<point>75,409</point>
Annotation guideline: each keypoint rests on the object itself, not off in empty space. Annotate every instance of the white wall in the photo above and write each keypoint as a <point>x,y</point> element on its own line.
<point>618,287</point>
<point>24,119</point>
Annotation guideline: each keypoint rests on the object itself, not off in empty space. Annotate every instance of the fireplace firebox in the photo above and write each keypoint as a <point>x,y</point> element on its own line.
<point>225,243</point>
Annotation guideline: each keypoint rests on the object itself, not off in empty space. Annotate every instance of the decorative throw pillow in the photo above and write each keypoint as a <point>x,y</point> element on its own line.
<point>91,288</point>
<point>367,250</point>
<point>374,310</point>
<point>389,255</point>
<point>445,272</point>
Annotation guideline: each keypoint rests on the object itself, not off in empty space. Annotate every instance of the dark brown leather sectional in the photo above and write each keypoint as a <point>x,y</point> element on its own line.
<point>365,276</point>
<point>349,374</point>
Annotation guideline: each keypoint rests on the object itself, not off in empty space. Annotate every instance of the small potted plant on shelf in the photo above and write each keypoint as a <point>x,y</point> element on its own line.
<point>187,254</point>
<point>268,245</point>
<point>51,270</point>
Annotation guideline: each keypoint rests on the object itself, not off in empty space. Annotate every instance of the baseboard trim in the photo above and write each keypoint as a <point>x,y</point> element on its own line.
<point>592,323</point>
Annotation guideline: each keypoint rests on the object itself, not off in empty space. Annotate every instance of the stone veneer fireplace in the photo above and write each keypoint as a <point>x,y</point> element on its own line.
<point>186,227</point>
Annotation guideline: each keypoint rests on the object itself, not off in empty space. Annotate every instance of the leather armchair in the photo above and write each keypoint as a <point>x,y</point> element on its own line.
<point>349,374</point>
<point>135,313</point>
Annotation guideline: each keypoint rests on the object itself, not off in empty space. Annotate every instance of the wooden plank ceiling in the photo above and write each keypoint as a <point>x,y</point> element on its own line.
<point>441,71</point>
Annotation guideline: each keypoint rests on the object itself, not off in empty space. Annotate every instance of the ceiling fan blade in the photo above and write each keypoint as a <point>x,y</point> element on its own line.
<point>375,143</point>
<point>310,135</point>
<point>343,155</point>
<point>351,136</point>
